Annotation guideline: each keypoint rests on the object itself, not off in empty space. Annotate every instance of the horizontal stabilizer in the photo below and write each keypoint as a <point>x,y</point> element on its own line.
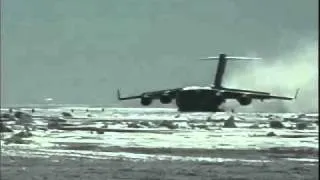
<point>232,58</point>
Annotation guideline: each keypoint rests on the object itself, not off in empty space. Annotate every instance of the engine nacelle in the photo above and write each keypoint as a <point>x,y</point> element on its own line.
<point>219,94</point>
<point>165,99</point>
<point>244,100</point>
<point>146,100</point>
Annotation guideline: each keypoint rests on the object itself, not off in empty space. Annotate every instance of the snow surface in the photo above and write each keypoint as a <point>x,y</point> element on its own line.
<point>215,137</point>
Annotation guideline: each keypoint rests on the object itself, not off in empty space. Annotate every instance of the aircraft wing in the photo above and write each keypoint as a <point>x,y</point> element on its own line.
<point>244,90</point>
<point>235,93</point>
<point>151,94</point>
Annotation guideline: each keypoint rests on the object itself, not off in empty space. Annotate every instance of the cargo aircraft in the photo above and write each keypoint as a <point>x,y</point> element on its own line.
<point>206,99</point>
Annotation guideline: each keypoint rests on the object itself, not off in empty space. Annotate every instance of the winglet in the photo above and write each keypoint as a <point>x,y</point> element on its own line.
<point>118,94</point>
<point>297,93</point>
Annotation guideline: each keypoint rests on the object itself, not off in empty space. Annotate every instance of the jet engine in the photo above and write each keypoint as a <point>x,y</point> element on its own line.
<point>244,100</point>
<point>219,94</point>
<point>146,100</point>
<point>165,99</point>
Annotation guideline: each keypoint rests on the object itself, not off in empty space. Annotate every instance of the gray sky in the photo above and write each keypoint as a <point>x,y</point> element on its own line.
<point>80,51</point>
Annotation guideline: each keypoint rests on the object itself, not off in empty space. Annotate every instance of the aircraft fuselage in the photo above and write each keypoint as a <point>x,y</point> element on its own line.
<point>198,100</point>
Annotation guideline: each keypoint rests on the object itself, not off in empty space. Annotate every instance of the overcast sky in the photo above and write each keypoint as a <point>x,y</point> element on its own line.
<point>80,51</point>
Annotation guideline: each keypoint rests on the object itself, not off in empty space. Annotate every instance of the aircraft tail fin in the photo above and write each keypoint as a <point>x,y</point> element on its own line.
<point>222,58</point>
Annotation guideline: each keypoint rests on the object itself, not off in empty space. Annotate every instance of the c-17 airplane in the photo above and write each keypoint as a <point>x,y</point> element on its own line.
<point>209,98</point>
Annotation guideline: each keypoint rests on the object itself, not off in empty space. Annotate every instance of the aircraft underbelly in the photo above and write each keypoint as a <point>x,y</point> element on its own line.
<point>198,100</point>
